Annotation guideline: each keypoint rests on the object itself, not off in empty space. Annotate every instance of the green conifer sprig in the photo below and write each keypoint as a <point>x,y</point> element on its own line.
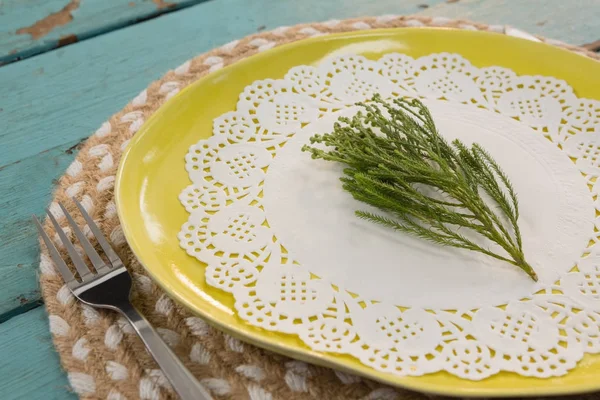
<point>397,162</point>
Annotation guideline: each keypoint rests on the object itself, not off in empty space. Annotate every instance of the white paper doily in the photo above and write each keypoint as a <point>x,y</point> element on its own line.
<point>277,231</point>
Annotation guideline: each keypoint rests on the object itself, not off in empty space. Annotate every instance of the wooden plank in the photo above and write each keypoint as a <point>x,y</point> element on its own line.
<point>97,77</point>
<point>26,189</point>
<point>573,21</point>
<point>131,63</point>
<point>35,26</point>
<point>29,366</point>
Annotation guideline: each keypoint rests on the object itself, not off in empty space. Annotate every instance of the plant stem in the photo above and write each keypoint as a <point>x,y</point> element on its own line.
<point>389,158</point>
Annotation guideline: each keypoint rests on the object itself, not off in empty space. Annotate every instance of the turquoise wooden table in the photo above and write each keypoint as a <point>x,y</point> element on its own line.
<point>67,65</point>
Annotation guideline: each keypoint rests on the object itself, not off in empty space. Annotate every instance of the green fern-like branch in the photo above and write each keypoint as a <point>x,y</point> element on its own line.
<point>392,151</point>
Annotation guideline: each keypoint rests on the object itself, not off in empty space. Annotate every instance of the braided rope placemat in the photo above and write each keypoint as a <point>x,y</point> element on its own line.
<point>103,357</point>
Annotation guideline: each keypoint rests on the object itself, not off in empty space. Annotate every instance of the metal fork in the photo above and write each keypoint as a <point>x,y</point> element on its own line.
<point>110,287</point>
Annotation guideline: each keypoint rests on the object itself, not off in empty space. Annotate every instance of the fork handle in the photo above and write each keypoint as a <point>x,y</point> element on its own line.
<point>183,382</point>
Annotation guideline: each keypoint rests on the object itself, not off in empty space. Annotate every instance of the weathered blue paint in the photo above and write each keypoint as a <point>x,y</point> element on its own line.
<point>29,366</point>
<point>25,189</point>
<point>88,18</point>
<point>574,21</point>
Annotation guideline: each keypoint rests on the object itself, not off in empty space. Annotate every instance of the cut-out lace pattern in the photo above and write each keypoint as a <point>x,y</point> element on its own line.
<point>542,335</point>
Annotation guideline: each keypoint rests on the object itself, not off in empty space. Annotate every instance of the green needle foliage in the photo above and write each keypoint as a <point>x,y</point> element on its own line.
<point>395,157</point>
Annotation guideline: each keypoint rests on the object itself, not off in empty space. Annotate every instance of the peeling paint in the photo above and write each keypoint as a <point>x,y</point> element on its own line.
<point>160,4</point>
<point>45,25</point>
<point>67,39</point>
<point>76,146</point>
<point>593,46</point>
<point>8,165</point>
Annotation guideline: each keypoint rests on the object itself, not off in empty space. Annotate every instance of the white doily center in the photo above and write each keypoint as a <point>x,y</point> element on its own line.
<point>314,218</point>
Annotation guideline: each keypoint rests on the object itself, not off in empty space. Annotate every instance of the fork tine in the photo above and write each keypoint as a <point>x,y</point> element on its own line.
<point>60,263</point>
<point>84,271</point>
<point>110,253</point>
<point>93,255</point>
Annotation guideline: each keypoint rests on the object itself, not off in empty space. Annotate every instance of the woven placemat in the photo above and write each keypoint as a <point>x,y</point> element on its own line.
<point>101,354</point>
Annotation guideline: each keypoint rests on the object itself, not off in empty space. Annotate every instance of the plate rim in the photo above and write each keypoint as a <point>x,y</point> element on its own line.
<point>306,354</point>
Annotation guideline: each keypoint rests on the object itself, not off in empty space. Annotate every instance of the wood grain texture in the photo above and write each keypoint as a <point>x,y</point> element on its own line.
<point>573,21</point>
<point>26,189</point>
<point>34,26</point>
<point>96,77</point>
<point>29,366</point>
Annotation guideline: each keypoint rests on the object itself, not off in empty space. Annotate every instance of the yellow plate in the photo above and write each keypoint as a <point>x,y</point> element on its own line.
<point>152,175</point>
